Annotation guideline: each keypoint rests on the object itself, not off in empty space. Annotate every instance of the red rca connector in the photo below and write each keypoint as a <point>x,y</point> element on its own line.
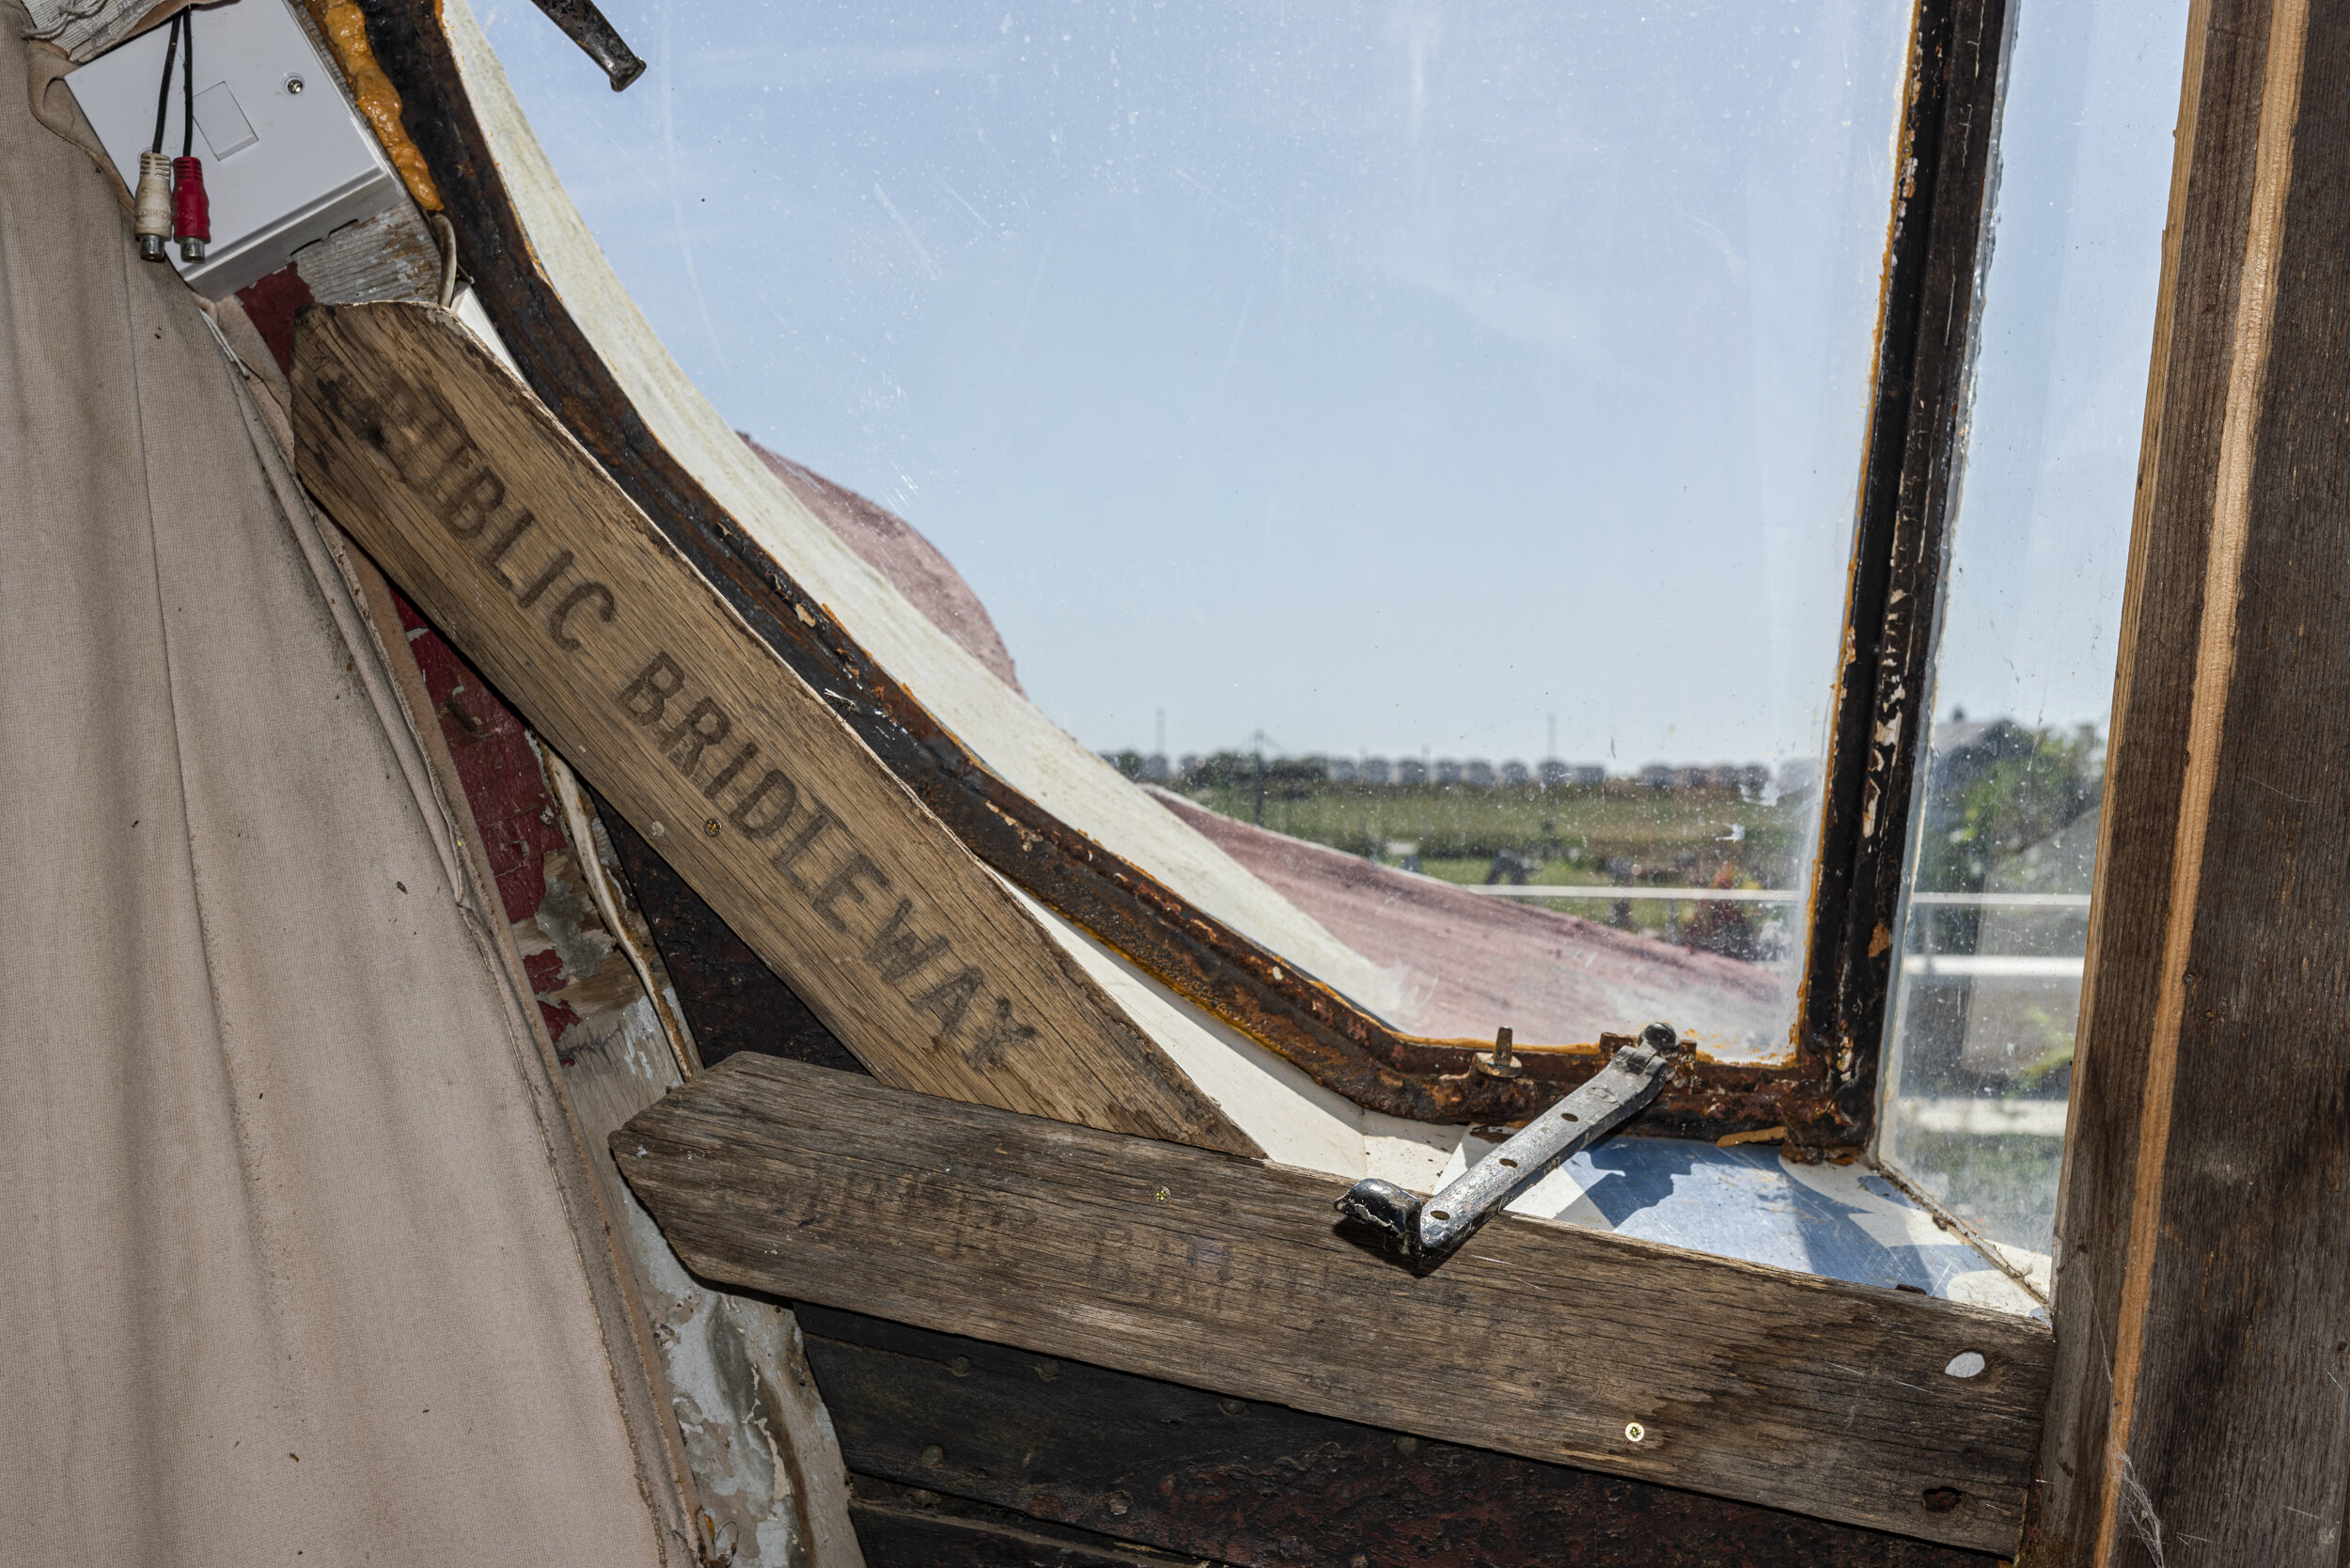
<point>170,197</point>
<point>191,214</point>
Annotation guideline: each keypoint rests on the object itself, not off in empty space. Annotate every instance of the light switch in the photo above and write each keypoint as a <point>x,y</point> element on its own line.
<point>224,127</point>
<point>282,166</point>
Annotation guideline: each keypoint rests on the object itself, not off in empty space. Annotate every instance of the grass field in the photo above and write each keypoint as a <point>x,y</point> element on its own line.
<point>1669,837</point>
<point>1621,832</point>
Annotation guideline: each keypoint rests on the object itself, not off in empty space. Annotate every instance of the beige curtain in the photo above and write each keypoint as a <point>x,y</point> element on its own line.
<point>295,1263</point>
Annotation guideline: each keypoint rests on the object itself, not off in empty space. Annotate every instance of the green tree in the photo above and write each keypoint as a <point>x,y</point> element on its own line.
<point>2004,790</point>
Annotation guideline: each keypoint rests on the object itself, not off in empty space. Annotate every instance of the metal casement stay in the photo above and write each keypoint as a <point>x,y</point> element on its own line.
<point>1425,1233</point>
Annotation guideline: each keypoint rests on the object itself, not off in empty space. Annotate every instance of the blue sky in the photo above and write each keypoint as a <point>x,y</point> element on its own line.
<point>2041,540</point>
<point>1386,377</point>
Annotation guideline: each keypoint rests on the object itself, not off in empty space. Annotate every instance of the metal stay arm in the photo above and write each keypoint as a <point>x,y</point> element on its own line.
<point>1426,1233</point>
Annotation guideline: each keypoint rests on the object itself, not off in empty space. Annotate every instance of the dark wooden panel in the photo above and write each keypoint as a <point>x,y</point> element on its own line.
<point>731,1000</point>
<point>2202,1414</point>
<point>1542,1339</point>
<point>1206,1476</point>
<point>905,1527</point>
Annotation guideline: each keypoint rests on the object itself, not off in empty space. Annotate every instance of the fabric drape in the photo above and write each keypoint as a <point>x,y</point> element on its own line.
<point>291,1256</point>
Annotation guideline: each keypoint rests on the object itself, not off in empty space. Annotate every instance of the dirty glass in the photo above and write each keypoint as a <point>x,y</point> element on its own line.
<point>1427,432</point>
<point>1989,966</point>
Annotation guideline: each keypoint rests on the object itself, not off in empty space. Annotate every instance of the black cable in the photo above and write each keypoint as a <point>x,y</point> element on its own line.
<point>163,96</point>
<point>187,82</point>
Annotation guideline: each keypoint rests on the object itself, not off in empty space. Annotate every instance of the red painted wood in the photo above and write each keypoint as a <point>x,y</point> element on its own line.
<point>272,304</point>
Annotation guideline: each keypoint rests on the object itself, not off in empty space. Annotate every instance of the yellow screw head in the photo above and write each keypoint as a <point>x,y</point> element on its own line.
<point>1634,1432</point>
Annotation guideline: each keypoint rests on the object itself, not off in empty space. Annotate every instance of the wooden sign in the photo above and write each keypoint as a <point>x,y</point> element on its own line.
<point>1858,1404</point>
<point>506,532</point>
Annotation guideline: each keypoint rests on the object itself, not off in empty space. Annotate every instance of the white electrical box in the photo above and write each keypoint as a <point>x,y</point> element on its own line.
<point>287,160</point>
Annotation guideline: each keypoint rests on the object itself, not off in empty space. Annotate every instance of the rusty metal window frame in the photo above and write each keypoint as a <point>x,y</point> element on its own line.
<point>1943,163</point>
<point>1943,167</point>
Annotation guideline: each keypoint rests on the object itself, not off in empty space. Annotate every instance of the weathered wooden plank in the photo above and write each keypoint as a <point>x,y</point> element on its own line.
<point>907,1526</point>
<point>471,495</point>
<point>1237,1481</point>
<point>2202,1415</point>
<point>1538,1338</point>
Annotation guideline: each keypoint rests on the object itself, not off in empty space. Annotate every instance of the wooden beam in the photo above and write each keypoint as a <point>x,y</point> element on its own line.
<point>907,1526</point>
<point>507,533</point>
<point>2199,1411</point>
<point>1240,1480</point>
<point>1538,1338</point>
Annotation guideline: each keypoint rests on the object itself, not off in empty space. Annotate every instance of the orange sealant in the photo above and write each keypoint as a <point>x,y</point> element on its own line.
<point>346,31</point>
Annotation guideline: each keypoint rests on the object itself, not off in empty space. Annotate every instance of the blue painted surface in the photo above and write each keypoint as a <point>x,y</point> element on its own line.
<point>1741,1203</point>
<point>1845,1222</point>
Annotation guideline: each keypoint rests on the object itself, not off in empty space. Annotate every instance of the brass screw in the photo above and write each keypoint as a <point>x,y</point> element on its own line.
<point>710,827</point>
<point>1635,1430</point>
<point>1502,1062</point>
<point>933,1456</point>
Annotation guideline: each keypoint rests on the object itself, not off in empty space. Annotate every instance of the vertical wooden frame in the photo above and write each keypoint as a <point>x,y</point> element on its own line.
<point>2202,1298</point>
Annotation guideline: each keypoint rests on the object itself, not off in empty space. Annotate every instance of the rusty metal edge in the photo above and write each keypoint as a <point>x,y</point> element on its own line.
<point>1925,351</point>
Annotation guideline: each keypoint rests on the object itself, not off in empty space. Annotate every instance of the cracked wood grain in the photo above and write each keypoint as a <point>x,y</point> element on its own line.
<point>2199,1410</point>
<point>512,539</point>
<point>1538,1338</point>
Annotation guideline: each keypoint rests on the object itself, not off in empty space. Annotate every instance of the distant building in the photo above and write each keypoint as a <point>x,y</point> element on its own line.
<point>1448,771</point>
<point>1375,770</point>
<point>1657,777</point>
<point>1477,772</point>
<point>1515,775</point>
<point>1342,771</point>
<point>1721,779</point>
<point>1154,768</point>
<point>1558,775</point>
<point>1411,770</point>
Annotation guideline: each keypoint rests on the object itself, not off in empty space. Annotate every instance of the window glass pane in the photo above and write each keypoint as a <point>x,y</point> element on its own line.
<point>1989,974</point>
<point>1458,407</point>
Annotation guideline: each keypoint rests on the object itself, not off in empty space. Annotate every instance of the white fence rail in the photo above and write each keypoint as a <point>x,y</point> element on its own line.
<point>1600,892</point>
